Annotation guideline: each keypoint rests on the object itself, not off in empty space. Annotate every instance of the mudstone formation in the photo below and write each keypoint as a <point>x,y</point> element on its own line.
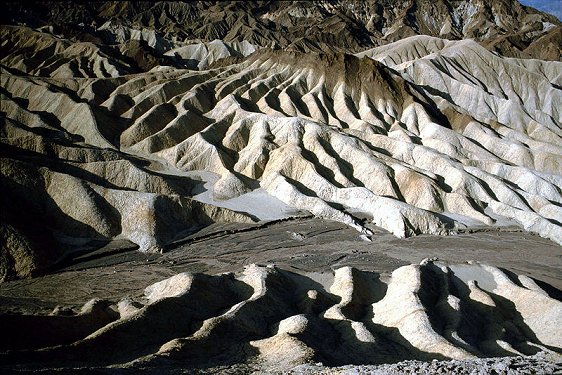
<point>147,121</point>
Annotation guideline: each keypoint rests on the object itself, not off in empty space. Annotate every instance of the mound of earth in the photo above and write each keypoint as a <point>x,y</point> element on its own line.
<point>279,319</point>
<point>172,143</point>
<point>430,141</point>
<point>504,26</point>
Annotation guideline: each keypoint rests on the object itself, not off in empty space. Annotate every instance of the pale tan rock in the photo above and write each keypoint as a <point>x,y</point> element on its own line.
<point>452,136</point>
<point>427,311</point>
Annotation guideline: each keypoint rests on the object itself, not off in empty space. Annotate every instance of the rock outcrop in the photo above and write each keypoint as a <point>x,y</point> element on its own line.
<point>280,319</point>
<point>503,26</point>
<point>423,135</point>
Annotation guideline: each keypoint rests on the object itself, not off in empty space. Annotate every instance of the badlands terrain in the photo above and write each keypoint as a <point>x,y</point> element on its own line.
<point>369,186</point>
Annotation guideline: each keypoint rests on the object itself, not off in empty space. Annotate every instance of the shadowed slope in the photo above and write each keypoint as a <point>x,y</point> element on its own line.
<point>504,26</point>
<point>426,311</point>
<point>447,136</point>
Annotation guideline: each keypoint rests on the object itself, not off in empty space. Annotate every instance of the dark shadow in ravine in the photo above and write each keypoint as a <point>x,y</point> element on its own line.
<point>483,325</point>
<point>144,332</point>
<point>40,331</point>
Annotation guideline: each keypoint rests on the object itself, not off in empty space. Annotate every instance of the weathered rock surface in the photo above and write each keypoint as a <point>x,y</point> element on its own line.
<point>145,125</point>
<point>504,26</point>
<point>279,320</point>
<point>423,135</point>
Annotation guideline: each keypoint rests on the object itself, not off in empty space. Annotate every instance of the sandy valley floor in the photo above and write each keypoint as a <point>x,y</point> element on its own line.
<point>305,246</point>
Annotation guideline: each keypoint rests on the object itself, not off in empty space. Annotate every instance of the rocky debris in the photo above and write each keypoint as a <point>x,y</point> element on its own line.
<point>540,363</point>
